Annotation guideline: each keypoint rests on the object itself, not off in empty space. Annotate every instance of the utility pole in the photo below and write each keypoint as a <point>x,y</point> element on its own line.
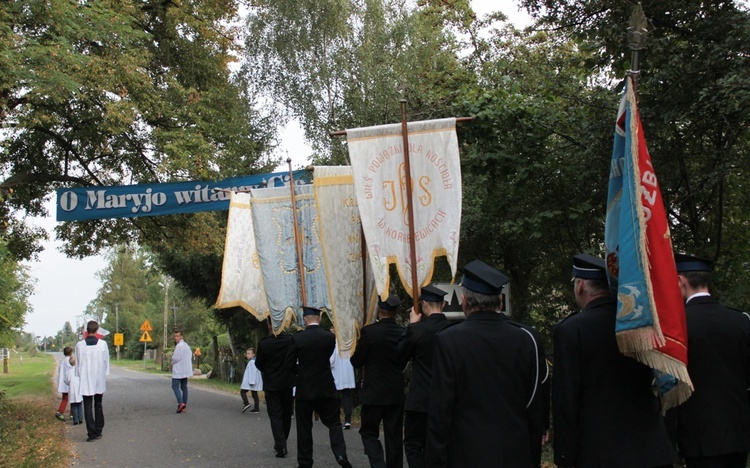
<point>166,316</point>
<point>117,320</point>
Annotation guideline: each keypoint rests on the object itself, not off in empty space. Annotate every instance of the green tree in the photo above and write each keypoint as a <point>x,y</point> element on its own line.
<point>133,290</point>
<point>15,289</point>
<point>119,92</point>
<point>695,105</point>
<point>340,64</point>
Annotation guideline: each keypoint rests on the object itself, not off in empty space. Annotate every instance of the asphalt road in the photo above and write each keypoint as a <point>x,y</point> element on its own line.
<point>142,430</point>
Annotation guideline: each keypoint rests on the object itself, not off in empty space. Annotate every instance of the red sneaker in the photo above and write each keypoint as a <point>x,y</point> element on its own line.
<point>181,408</point>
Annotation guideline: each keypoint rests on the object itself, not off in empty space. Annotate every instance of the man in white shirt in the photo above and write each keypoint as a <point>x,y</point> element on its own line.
<point>92,367</point>
<point>182,368</point>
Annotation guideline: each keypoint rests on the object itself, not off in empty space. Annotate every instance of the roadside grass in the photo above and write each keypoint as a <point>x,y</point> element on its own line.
<point>30,436</point>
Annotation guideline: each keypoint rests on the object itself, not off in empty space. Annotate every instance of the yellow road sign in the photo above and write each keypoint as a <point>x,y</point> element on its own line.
<point>146,327</point>
<point>145,338</point>
<point>119,338</point>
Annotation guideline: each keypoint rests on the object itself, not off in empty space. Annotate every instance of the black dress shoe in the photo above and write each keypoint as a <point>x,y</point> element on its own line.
<point>343,462</point>
<point>281,453</point>
<point>93,438</point>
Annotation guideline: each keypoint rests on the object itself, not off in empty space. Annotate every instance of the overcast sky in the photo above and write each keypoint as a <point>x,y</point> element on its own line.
<point>64,286</point>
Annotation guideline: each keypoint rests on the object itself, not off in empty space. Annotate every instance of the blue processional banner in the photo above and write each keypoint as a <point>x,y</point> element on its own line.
<point>130,201</point>
<point>277,251</point>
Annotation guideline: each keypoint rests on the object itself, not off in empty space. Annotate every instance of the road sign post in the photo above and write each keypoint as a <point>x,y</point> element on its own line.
<point>145,338</point>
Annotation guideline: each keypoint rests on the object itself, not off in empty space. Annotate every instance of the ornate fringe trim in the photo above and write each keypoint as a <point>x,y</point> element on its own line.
<point>639,340</point>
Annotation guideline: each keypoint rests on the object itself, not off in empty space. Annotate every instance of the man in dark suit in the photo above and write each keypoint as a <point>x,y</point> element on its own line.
<point>485,406</point>
<point>316,391</point>
<point>713,425</point>
<point>382,392</point>
<point>604,410</point>
<point>416,344</point>
<point>278,383</point>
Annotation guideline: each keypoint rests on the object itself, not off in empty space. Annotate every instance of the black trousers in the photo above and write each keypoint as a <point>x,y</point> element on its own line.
<point>329,411</point>
<point>392,417</point>
<point>346,403</point>
<point>254,393</point>
<point>279,407</point>
<point>94,416</point>
<point>415,437</point>
<point>729,460</point>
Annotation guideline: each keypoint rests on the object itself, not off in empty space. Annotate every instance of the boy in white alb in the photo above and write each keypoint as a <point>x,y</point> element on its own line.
<point>62,387</point>
<point>252,381</point>
<point>74,393</point>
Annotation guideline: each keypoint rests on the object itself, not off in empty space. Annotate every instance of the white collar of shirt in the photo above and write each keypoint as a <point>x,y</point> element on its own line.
<point>698,294</point>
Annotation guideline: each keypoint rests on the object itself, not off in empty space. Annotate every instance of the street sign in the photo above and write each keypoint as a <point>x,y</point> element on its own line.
<point>146,327</point>
<point>119,339</point>
<point>145,337</point>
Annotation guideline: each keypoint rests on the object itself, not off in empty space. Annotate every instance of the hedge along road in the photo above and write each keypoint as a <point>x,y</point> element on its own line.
<point>142,430</point>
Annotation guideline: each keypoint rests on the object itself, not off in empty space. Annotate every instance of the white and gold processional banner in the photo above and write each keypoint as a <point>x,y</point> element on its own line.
<point>377,158</point>
<point>341,238</point>
<point>241,281</point>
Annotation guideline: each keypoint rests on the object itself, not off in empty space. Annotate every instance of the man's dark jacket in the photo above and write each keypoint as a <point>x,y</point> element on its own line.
<point>416,344</point>
<point>309,359</point>
<point>715,420</point>
<point>383,381</point>
<point>271,362</point>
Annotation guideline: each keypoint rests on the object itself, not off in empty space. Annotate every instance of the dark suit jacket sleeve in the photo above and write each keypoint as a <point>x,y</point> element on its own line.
<point>260,358</point>
<point>359,357</point>
<point>539,404</point>
<point>291,358</point>
<point>406,345</point>
<point>565,396</point>
<point>442,398</point>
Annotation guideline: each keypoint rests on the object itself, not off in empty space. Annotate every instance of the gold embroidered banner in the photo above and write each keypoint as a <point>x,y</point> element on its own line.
<point>377,157</point>
<point>341,238</point>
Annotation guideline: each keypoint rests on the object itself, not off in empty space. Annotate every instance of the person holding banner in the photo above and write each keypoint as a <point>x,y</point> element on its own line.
<point>382,392</point>
<point>485,403</point>
<point>316,392</point>
<point>417,345</point>
<point>605,412</point>
<point>278,383</point>
<point>713,426</point>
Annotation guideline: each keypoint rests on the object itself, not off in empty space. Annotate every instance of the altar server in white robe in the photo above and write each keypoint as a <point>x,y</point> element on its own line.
<point>92,368</point>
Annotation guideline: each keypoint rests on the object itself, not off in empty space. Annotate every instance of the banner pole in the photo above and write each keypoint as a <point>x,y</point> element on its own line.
<point>363,251</point>
<point>297,239</point>
<point>637,34</point>
<point>409,204</point>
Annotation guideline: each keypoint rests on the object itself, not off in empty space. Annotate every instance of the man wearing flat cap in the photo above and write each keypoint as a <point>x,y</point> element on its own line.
<point>604,410</point>
<point>485,407</point>
<point>713,425</point>
<point>382,392</point>
<point>417,344</point>
<point>309,359</point>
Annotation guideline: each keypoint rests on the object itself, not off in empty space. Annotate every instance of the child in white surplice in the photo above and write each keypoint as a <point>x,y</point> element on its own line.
<point>251,382</point>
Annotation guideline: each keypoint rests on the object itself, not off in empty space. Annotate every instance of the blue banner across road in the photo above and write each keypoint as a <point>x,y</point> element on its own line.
<point>129,201</point>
